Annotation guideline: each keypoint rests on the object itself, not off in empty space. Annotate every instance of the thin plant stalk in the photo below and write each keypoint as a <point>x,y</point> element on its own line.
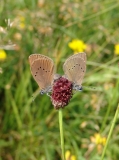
<point>61,132</point>
<point>110,132</point>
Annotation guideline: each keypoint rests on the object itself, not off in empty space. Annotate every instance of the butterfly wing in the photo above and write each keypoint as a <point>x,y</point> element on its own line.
<point>34,57</point>
<point>75,68</point>
<point>42,69</point>
<point>79,55</point>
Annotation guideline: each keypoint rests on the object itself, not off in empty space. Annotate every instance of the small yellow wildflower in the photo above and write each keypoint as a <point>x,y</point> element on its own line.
<point>22,22</point>
<point>68,156</point>
<point>94,101</point>
<point>22,19</point>
<point>22,25</point>
<point>98,139</point>
<point>77,45</point>
<point>3,55</point>
<point>73,157</point>
<point>108,86</point>
<point>116,51</point>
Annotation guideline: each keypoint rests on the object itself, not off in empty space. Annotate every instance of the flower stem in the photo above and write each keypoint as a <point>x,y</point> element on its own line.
<point>110,132</point>
<point>61,132</point>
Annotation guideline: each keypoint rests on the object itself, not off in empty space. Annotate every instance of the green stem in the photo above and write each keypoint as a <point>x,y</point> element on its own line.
<point>61,132</point>
<point>112,102</point>
<point>110,132</point>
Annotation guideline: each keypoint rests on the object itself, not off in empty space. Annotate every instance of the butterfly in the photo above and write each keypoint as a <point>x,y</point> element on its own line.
<point>43,71</point>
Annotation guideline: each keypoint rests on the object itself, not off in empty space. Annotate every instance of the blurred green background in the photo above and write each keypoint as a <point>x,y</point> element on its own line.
<point>29,130</point>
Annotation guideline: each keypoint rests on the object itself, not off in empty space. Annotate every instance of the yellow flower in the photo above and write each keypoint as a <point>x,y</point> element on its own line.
<point>108,86</point>
<point>22,19</point>
<point>68,156</point>
<point>94,101</point>
<point>77,45</point>
<point>116,51</point>
<point>73,157</point>
<point>22,22</point>
<point>98,139</point>
<point>22,25</point>
<point>3,55</point>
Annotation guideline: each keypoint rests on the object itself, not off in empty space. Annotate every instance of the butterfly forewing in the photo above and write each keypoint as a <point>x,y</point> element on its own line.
<point>82,55</point>
<point>78,55</point>
<point>42,69</point>
<point>34,57</point>
<point>75,68</point>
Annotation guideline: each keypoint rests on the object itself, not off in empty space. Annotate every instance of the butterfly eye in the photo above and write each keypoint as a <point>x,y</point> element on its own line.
<point>77,87</point>
<point>80,88</point>
<point>41,92</point>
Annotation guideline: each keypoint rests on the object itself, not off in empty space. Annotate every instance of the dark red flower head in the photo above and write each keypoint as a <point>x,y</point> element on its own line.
<point>61,92</point>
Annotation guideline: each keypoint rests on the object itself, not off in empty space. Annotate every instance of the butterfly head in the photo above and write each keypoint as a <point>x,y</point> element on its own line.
<point>77,87</point>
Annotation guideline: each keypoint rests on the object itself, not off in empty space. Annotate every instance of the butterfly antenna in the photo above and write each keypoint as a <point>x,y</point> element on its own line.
<point>35,94</point>
<point>92,88</point>
<point>33,98</point>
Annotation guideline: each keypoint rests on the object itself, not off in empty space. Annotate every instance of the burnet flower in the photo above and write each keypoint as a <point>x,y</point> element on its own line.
<point>61,92</point>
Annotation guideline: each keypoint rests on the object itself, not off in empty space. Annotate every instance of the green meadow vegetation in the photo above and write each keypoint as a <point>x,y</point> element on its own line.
<point>29,126</point>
